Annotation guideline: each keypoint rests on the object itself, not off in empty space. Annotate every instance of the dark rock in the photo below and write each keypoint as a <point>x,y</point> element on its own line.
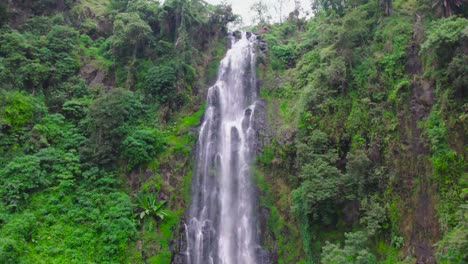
<point>262,44</point>
<point>105,27</point>
<point>92,75</point>
<point>237,34</point>
<point>178,246</point>
<point>264,256</point>
<point>229,42</point>
<point>427,94</point>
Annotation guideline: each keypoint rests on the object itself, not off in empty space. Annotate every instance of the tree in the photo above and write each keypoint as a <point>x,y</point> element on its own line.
<point>445,31</point>
<point>452,247</point>
<point>130,33</point>
<point>61,52</point>
<point>19,177</point>
<point>456,72</point>
<point>316,196</point>
<point>279,8</point>
<point>62,39</point>
<point>443,36</point>
<point>118,5</point>
<point>18,109</point>
<point>297,9</point>
<point>18,66</point>
<point>357,174</point>
<point>112,115</point>
<point>10,250</point>
<point>114,109</point>
<point>75,109</point>
<point>183,16</point>
<point>337,6</point>
<point>161,83</point>
<point>141,146</point>
<point>285,53</point>
<point>148,10</point>
<point>315,146</point>
<point>54,129</point>
<point>447,7</point>
<point>74,88</point>
<point>374,214</point>
<point>387,6</point>
<point>222,15</point>
<point>354,251</point>
<point>261,12</point>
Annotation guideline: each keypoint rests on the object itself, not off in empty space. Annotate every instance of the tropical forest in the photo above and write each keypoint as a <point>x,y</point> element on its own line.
<point>233,131</point>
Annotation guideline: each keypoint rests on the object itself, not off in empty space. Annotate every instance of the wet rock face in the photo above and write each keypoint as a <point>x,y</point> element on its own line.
<point>264,256</point>
<point>179,245</point>
<point>237,34</point>
<point>260,125</point>
<point>262,45</point>
<point>423,229</point>
<point>246,121</point>
<point>228,42</point>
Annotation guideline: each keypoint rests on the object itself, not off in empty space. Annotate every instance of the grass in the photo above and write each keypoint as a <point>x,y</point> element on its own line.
<point>164,236</point>
<point>179,138</point>
<point>391,255</point>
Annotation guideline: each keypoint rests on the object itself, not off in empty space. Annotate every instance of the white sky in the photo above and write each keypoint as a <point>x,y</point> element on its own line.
<point>242,8</point>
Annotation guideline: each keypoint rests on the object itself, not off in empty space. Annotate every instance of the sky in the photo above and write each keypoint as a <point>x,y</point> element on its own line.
<point>243,8</point>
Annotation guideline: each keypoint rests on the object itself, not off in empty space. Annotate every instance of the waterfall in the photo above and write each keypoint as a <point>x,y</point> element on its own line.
<point>221,226</point>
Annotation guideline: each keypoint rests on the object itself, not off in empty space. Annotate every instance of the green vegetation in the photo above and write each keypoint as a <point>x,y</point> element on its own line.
<point>150,206</point>
<point>96,102</point>
<point>363,156</point>
<point>375,131</point>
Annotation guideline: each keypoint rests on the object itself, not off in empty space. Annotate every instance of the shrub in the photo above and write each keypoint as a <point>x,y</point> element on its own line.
<point>285,53</point>
<point>442,36</point>
<point>18,109</point>
<point>161,83</point>
<point>354,251</point>
<point>142,146</point>
<point>19,177</point>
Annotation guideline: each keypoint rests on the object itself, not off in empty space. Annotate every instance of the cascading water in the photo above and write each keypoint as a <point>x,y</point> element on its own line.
<point>221,227</point>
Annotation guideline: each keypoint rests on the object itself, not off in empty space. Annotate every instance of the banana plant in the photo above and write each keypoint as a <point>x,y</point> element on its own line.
<point>150,206</point>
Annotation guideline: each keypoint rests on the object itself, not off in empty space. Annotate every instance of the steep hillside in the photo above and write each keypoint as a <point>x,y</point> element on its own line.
<point>362,129</point>
<point>366,133</point>
<point>96,103</point>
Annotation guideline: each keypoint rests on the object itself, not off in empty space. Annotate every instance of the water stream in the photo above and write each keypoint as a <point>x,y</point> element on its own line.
<point>221,228</point>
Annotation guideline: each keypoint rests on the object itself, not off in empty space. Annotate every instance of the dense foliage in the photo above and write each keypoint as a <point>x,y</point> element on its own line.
<point>88,102</point>
<point>371,99</point>
<point>363,156</point>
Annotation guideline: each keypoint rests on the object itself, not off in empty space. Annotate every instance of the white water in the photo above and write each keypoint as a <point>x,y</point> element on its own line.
<point>222,226</point>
